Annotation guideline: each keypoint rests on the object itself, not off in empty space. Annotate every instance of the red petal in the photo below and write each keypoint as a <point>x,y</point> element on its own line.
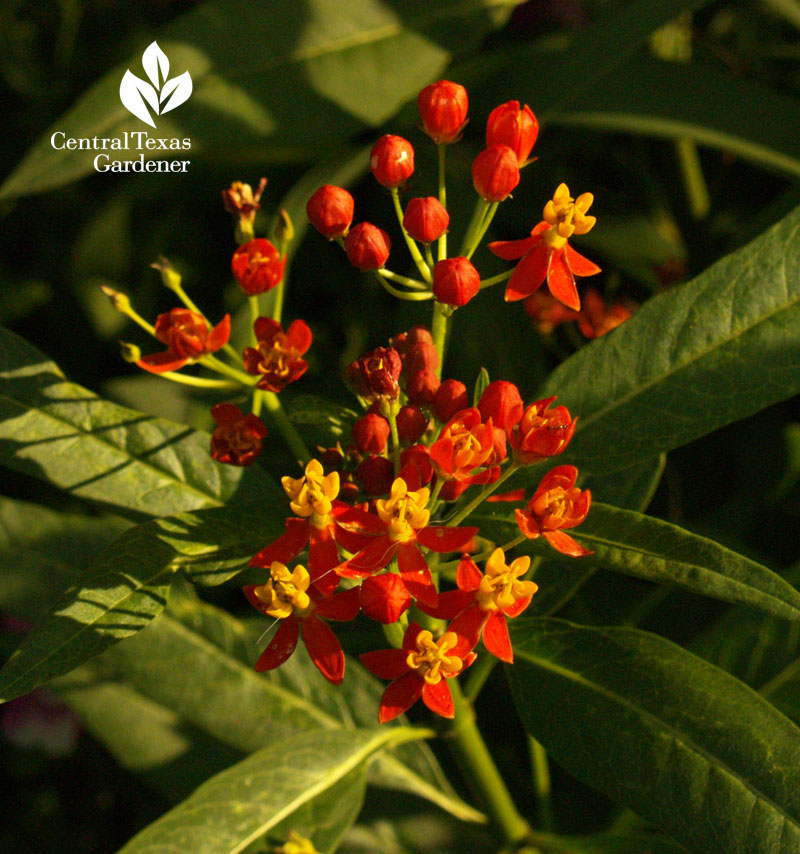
<point>324,648</point>
<point>159,363</point>
<point>370,559</point>
<point>386,663</point>
<point>450,604</point>
<point>286,547</point>
<point>561,282</point>
<point>410,637</point>
<point>565,544</point>
<point>468,625</point>
<point>518,607</point>
<point>496,639</point>
<point>468,576</point>
<point>510,250</point>
<point>400,696</point>
<point>563,476</point>
<point>323,556</point>
<point>439,699</point>
<point>219,335</point>
<point>256,425</point>
<point>513,495</point>
<point>342,606</point>
<point>445,538</point>
<point>410,475</point>
<point>529,274</point>
<point>416,575</point>
<point>527,524</point>
<point>299,336</point>
<point>579,265</point>
<point>280,647</point>
<point>265,328</point>
<point>226,414</point>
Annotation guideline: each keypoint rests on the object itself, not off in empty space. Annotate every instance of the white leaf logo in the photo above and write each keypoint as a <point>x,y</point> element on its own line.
<point>161,95</point>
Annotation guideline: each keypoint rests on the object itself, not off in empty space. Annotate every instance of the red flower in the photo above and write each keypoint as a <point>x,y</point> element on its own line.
<point>426,220</point>
<point>483,601</point>
<point>556,504</point>
<point>367,247</point>
<point>376,374</point>
<point>290,596</point>
<point>237,439</point>
<point>596,318</point>
<point>330,211</point>
<point>242,202</point>
<point>400,528</point>
<point>450,398</point>
<point>541,432</point>
<point>517,128</point>
<point>257,266</point>
<point>495,173</point>
<point>420,669</point>
<point>464,444</point>
<point>443,109</point>
<point>547,312</point>
<point>391,160</point>
<point>371,433</point>
<point>278,357</point>
<point>546,254</point>
<point>455,281</point>
<point>384,597</point>
<point>502,403</point>
<point>187,337</point>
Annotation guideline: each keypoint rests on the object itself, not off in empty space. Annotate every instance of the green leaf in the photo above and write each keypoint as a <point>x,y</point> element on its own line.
<point>244,802</point>
<point>305,82</point>
<point>481,381</point>
<point>690,360</point>
<point>631,488</point>
<point>60,432</point>
<point>330,420</point>
<point>606,843</point>
<point>679,741</point>
<point>129,585</point>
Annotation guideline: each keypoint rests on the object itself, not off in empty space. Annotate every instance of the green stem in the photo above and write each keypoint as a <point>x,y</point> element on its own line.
<point>424,269</point>
<point>415,296</point>
<point>255,313</point>
<point>215,364</point>
<point>285,426</point>
<point>485,223</point>
<point>442,244</point>
<point>429,256</point>
<point>198,382</point>
<point>403,280</point>
<point>277,305</point>
<point>440,329</point>
<point>470,750</point>
<point>481,207</point>
<point>478,674</point>
<point>390,410</point>
<point>541,782</point>
<point>496,280</point>
<point>693,178</point>
<point>258,400</point>
<point>483,495</point>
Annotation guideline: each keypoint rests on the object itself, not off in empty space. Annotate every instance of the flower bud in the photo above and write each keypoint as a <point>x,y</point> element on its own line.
<point>384,597</point>
<point>130,352</point>
<point>419,458</point>
<point>367,247</point>
<point>330,211</point>
<point>391,160</point>
<point>371,434</point>
<point>376,475</point>
<point>513,126</point>
<point>170,277</point>
<point>376,373</point>
<point>411,424</point>
<point>238,438</point>
<point>257,266</point>
<point>443,110</point>
<point>426,220</point>
<point>450,398</point>
<point>495,173</point>
<point>502,403</point>
<point>421,387</point>
<point>455,281</point>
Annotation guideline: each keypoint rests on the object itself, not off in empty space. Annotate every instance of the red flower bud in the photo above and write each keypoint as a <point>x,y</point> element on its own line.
<point>541,432</point>
<point>443,109</point>
<point>426,220</point>
<point>513,126</point>
<point>376,475</point>
<point>238,438</point>
<point>367,246</point>
<point>421,387</point>
<point>330,211</point>
<point>391,160</point>
<point>495,173</point>
<point>332,459</point>
<point>455,281</point>
<point>450,398</point>
<point>376,373</point>
<point>257,266</point>
<point>411,424</point>
<point>419,458</point>
<point>502,403</point>
<point>384,597</point>
<point>371,434</point>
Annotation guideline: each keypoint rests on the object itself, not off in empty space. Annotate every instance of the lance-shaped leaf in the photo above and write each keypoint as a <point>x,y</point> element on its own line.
<point>690,360</point>
<point>60,432</point>
<point>136,95</point>
<point>244,802</point>
<point>175,92</point>
<point>129,585</point>
<point>156,64</point>
<point>678,740</point>
<point>645,547</point>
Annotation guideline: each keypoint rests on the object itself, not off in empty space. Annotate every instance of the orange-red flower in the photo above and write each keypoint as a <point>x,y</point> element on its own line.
<point>187,337</point>
<point>556,504</point>
<point>400,528</point>
<point>257,266</point>
<point>465,444</point>
<point>546,254</point>
<point>547,312</point>
<point>238,438</point>
<point>377,373</point>
<point>277,359</point>
<point>541,432</point>
<point>420,669</point>
<point>290,596</point>
<point>596,318</point>
<point>240,200</point>
<point>484,600</point>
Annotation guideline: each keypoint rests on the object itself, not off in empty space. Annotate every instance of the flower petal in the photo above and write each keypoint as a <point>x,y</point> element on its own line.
<point>561,282</point>
<point>265,328</point>
<point>324,649</point>
<point>299,335</point>
<point>519,606</point>
<point>159,363</point>
<point>280,647</point>
<point>219,335</point>
<point>511,250</point>
<point>286,547</point>
<point>385,663</point>
<point>449,605</point>
<point>579,265</point>
<point>529,274</point>
<point>565,544</point>
<point>323,556</point>
<point>468,576</point>
<point>439,699</point>
<point>416,575</point>
<point>445,538</point>
<point>370,559</point>
<point>496,639</point>
<point>400,696</point>
<point>513,495</point>
<point>468,625</point>
<point>342,606</point>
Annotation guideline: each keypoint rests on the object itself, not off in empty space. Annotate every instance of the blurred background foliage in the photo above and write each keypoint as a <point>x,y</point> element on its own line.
<point>681,117</point>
